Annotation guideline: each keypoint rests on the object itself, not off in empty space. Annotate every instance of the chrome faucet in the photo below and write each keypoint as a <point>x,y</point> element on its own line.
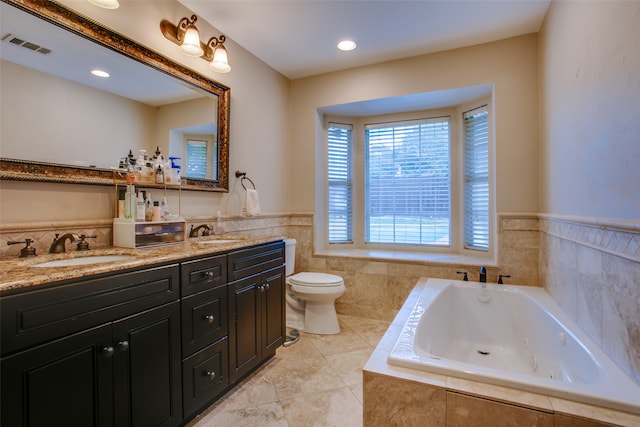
<point>194,231</point>
<point>57,246</point>
<point>483,276</point>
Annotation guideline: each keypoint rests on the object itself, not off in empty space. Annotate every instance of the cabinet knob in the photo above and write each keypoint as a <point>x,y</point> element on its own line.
<point>266,286</point>
<point>209,275</point>
<point>209,374</point>
<point>261,287</point>
<point>107,351</point>
<point>123,345</point>
<point>209,318</point>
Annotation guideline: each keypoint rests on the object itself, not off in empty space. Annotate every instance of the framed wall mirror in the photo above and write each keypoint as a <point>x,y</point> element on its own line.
<point>59,123</point>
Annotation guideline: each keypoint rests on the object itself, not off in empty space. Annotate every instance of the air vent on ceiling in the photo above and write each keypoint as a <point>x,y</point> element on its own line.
<point>27,45</point>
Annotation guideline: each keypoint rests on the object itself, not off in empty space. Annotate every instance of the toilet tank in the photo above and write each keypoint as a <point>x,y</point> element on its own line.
<point>290,255</point>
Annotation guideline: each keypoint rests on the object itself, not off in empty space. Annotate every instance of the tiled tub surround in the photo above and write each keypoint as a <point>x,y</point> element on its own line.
<point>591,268</point>
<point>396,395</point>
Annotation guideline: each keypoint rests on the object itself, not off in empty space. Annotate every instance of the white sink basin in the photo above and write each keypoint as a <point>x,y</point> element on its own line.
<point>218,241</point>
<point>87,260</point>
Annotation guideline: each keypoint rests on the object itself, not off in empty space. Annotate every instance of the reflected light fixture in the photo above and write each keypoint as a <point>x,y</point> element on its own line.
<point>105,4</point>
<point>100,73</point>
<point>347,45</point>
<point>186,35</point>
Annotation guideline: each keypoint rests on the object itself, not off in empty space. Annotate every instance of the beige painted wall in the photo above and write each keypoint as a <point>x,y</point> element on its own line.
<point>510,65</point>
<point>50,119</point>
<point>590,106</point>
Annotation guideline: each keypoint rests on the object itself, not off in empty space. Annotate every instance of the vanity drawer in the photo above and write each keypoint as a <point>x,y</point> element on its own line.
<point>205,375</point>
<point>202,274</point>
<point>204,319</point>
<point>247,262</point>
<point>38,316</point>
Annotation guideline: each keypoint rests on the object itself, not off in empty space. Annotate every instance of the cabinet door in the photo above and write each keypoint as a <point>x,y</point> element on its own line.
<point>147,368</point>
<point>67,382</point>
<point>244,324</point>
<point>273,311</point>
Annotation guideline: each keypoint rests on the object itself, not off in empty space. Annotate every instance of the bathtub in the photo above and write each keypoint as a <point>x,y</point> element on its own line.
<point>514,336</point>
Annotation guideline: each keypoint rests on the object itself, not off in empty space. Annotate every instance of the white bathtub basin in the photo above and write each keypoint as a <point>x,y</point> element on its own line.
<point>515,336</point>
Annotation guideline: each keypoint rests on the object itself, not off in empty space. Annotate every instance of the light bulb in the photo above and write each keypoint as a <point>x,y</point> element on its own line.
<point>191,42</point>
<point>220,61</point>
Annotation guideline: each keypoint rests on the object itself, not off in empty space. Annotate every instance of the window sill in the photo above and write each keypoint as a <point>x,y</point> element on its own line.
<point>411,257</point>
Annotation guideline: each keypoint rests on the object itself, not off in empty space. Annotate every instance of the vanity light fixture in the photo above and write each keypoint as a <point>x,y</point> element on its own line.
<point>186,35</point>
<point>105,4</point>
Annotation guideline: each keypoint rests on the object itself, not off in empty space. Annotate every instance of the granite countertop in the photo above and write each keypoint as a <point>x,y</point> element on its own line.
<point>20,275</point>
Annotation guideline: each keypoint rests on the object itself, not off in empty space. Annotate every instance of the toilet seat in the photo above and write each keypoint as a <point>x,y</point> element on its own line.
<point>310,279</point>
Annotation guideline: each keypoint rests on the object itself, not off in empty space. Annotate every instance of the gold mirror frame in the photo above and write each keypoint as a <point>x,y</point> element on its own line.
<point>56,14</point>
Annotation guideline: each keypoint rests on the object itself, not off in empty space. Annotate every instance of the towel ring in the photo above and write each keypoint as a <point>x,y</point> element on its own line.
<point>243,175</point>
<point>248,179</point>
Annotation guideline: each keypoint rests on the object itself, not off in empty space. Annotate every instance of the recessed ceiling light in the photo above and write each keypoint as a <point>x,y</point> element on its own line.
<point>347,45</point>
<point>100,73</point>
<point>105,4</point>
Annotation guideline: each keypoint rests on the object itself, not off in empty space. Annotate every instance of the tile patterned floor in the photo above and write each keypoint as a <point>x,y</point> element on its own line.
<point>315,382</point>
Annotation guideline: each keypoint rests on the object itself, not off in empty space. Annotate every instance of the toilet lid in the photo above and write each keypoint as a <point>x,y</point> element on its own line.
<point>315,279</point>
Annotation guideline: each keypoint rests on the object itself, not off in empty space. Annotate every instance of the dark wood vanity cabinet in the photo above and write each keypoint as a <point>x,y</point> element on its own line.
<point>149,347</point>
<point>114,359</point>
<point>256,306</point>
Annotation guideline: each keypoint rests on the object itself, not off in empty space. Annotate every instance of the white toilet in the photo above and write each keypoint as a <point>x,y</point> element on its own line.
<point>311,297</point>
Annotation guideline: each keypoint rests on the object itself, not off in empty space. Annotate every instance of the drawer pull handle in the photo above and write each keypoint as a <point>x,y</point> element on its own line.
<point>209,275</point>
<point>209,318</point>
<point>266,286</point>
<point>107,351</point>
<point>209,374</point>
<point>123,345</point>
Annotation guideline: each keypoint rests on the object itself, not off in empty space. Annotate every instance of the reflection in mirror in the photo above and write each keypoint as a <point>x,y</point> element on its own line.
<point>54,111</point>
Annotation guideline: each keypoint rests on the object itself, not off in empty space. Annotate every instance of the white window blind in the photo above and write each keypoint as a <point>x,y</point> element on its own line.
<point>196,161</point>
<point>407,182</point>
<point>476,179</point>
<point>340,183</point>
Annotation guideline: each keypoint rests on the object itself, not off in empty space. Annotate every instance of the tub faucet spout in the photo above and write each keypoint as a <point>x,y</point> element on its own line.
<point>483,276</point>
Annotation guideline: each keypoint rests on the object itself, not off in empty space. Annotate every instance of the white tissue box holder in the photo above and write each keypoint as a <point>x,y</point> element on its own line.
<point>131,234</point>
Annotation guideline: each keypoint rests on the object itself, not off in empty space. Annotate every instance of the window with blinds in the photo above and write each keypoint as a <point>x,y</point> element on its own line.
<point>340,183</point>
<point>196,158</point>
<point>407,182</point>
<point>476,179</point>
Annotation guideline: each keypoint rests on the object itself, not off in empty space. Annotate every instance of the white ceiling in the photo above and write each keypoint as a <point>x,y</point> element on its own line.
<point>298,37</point>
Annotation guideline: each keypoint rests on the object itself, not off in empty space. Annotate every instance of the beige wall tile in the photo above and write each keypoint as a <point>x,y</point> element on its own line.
<point>392,402</point>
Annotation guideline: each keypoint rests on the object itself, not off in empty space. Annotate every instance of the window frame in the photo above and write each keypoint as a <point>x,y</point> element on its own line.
<point>456,182</point>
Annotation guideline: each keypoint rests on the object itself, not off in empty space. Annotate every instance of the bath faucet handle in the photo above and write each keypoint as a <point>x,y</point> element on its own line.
<point>465,278</point>
<point>500,278</point>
